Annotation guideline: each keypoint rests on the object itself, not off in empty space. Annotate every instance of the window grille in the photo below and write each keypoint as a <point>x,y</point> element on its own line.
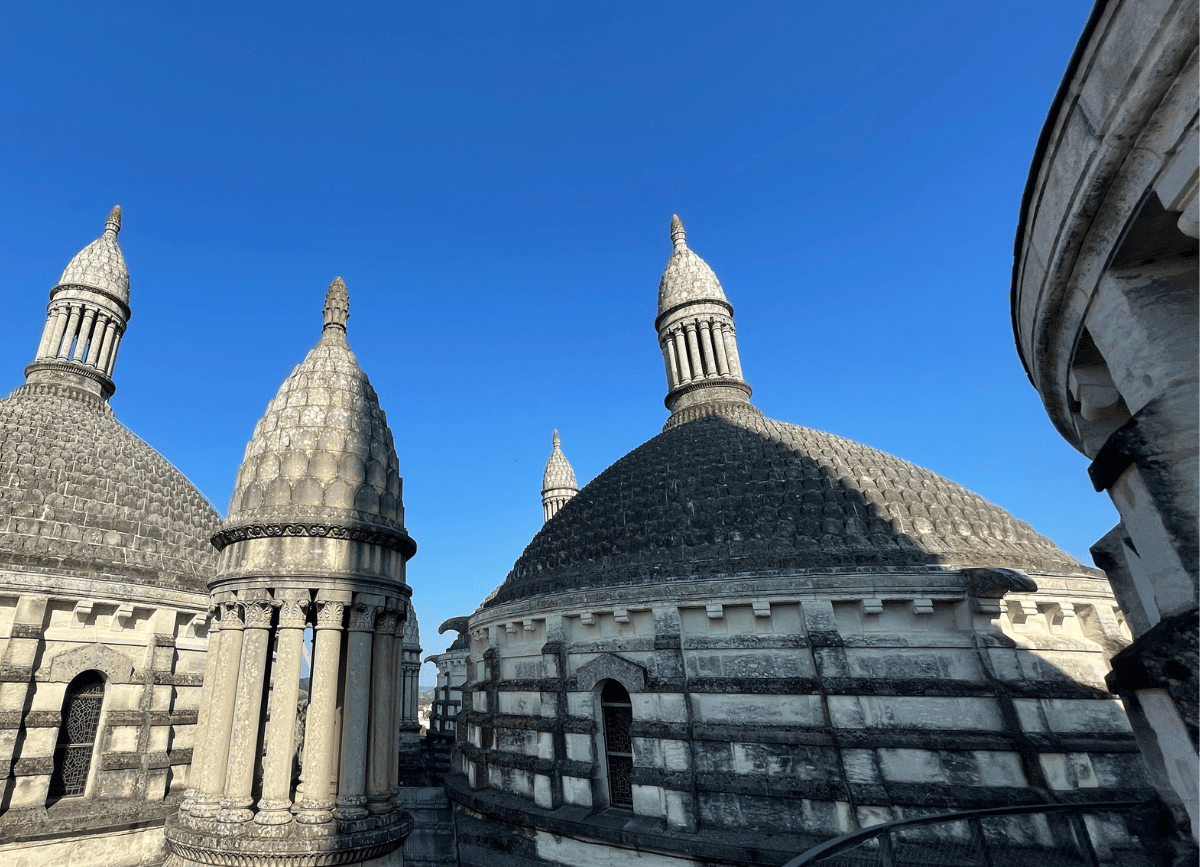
<point>77,735</point>
<point>618,747</point>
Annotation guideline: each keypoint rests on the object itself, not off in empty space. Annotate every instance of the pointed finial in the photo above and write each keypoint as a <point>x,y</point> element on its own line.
<point>678,235</point>
<point>113,224</point>
<point>337,306</point>
<point>557,442</point>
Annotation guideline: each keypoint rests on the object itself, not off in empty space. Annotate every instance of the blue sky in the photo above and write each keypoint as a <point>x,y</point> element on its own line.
<point>495,181</point>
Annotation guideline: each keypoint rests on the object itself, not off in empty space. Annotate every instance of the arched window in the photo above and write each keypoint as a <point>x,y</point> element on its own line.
<point>618,747</point>
<point>77,735</point>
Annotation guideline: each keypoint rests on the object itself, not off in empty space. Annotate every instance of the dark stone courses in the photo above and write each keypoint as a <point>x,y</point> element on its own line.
<point>721,495</point>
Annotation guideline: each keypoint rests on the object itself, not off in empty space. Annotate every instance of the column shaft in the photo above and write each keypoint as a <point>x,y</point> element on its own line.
<point>112,356</point>
<point>106,347</point>
<point>275,803</point>
<point>668,350</point>
<point>735,362</point>
<point>52,333</point>
<point>247,715</point>
<point>206,694</point>
<point>718,329</point>
<point>397,699</point>
<point>694,351</point>
<point>85,329</point>
<point>64,346</point>
<point>213,760</point>
<point>97,338</point>
<point>706,346</point>
<point>352,770</point>
<point>685,372</point>
<point>318,728</point>
<point>383,702</point>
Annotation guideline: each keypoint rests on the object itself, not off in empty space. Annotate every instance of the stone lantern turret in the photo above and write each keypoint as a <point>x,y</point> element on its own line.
<point>697,337</point>
<point>558,482</point>
<point>86,318</point>
<point>315,540</point>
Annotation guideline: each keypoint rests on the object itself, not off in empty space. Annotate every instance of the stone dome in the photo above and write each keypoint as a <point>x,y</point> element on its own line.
<point>80,492</point>
<point>559,473</point>
<point>687,277</point>
<point>322,452</point>
<point>101,264</point>
<point>733,492</point>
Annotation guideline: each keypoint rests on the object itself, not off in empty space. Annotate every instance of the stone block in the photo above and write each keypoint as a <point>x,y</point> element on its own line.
<point>802,710</point>
<point>648,801</point>
<point>577,791</point>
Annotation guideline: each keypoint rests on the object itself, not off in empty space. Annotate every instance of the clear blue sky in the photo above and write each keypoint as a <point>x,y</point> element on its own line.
<point>494,181</point>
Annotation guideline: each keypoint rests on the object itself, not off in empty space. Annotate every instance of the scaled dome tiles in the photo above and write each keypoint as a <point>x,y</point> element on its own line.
<point>101,265</point>
<point>733,494</point>
<point>80,492</point>
<point>322,452</point>
<point>687,277</point>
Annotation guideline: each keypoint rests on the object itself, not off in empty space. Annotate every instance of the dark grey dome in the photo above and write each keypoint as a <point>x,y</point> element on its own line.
<point>735,492</point>
<point>79,491</point>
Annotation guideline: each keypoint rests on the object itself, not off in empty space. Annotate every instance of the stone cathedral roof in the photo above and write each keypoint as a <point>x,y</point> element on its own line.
<point>80,492</point>
<point>101,264</point>
<point>737,493</point>
<point>322,452</point>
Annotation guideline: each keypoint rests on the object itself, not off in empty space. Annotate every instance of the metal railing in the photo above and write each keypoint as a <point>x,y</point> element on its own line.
<point>1108,834</point>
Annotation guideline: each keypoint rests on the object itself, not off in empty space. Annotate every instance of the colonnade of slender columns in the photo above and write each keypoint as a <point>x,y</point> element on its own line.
<point>78,332</point>
<point>252,681</point>
<point>700,349</point>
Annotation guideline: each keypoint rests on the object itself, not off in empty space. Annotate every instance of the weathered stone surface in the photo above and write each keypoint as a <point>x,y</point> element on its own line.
<point>727,495</point>
<point>79,491</point>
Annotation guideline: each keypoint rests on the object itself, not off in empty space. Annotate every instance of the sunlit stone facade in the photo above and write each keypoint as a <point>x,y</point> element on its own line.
<point>745,637</point>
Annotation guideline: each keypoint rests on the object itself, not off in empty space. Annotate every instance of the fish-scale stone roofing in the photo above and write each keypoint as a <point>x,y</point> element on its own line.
<point>80,492</point>
<point>322,451</point>
<point>559,473</point>
<point>687,277</point>
<point>725,494</point>
<point>101,264</point>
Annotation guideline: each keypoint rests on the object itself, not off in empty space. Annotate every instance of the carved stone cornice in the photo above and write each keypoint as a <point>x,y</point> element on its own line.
<point>107,387</point>
<point>396,541</point>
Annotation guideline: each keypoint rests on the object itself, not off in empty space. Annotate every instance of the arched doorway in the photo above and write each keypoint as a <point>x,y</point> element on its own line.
<point>617,711</point>
<point>77,735</point>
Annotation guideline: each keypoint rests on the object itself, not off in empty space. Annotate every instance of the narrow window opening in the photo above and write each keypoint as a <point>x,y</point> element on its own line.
<point>618,747</point>
<point>77,735</point>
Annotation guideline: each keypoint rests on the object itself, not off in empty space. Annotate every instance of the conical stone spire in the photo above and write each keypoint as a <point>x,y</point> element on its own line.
<point>86,318</point>
<point>558,482</point>
<point>697,338</point>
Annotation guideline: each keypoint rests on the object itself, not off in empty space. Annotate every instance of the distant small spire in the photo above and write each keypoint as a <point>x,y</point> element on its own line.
<point>112,226</point>
<point>337,306</point>
<point>557,442</point>
<point>558,482</point>
<point>678,235</point>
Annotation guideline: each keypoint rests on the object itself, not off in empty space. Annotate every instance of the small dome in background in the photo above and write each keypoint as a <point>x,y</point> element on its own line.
<point>559,473</point>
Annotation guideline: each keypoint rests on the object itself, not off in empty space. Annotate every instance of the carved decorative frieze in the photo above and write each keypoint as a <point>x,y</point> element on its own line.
<point>385,539</point>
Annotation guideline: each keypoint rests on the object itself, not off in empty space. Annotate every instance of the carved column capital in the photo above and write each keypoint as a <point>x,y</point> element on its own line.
<point>231,617</point>
<point>362,617</point>
<point>330,615</point>
<point>293,613</point>
<point>257,613</point>
<point>387,622</point>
